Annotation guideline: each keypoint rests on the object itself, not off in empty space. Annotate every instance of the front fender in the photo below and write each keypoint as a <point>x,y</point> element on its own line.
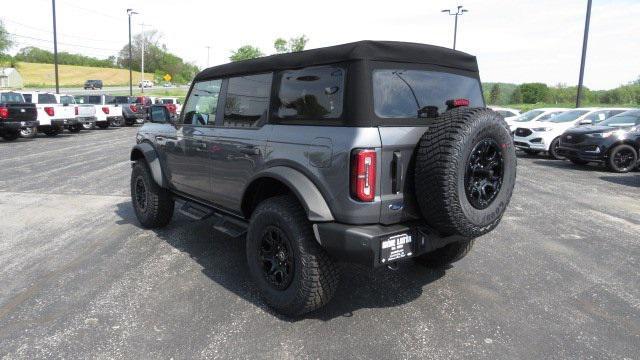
<point>305,190</point>
<point>148,152</point>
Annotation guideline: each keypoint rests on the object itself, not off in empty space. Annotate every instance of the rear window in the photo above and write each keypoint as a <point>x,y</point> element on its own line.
<point>167,101</point>
<point>66,99</point>
<point>47,99</point>
<point>311,93</point>
<point>11,97</point>
<point>89,99</point>
<point>122,100</point>
<point>401,93</point>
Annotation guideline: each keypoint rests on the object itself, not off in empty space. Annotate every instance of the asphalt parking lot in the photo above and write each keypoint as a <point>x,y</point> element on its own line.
<point>79,279</point>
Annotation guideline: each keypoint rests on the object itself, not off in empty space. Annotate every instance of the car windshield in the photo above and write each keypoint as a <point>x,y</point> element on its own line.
<point>11,97</point>
<point>529,115</point>
<point>568,116</point>
<point>629,118</point>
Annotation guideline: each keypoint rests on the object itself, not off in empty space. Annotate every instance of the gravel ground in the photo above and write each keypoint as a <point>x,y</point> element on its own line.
<point>80,279</point>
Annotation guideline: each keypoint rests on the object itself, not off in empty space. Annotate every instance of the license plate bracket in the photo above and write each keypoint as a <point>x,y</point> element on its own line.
<point>396,247</point>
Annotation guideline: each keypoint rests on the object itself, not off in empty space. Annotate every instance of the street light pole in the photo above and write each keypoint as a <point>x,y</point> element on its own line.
<point>208,48</point>
<point>142,62</point>
<point>458,12</point>
<point>55,46</point>
<point>584,53</point>
<point>130,12</point>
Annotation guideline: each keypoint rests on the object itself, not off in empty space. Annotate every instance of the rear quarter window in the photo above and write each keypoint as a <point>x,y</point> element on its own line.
<point>47,99</point>
<point>399,93</point>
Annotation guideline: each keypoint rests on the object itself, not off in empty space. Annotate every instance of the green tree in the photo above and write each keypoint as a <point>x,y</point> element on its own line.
<point>534,93</point>
<point>516,96</point>
<point>293,45</point>
<point>5,40</point>
<point>245,52</point>
<point>494,95</point>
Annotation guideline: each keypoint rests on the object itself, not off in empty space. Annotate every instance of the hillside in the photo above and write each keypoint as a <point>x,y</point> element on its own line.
<point>42,75</point>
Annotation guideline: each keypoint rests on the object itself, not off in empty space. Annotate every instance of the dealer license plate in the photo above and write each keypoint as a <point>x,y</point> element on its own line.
<point>396,247</point>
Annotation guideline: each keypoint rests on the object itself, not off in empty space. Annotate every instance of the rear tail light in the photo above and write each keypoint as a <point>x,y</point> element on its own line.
<point>76,111</point>
<point>49,110</point>
<point>105,110</point>
<point>363,175</point>
<point>4,113</point>
<point>133,108</point>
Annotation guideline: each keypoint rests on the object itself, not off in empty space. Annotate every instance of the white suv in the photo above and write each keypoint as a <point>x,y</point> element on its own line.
<point>536,136</point>
<point>542,114</point>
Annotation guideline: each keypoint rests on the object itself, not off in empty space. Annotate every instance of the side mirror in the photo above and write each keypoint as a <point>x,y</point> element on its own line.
<point>159,114</point>
<point>585,122</point>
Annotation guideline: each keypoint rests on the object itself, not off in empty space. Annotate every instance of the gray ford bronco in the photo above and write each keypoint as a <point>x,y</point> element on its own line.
<point>369,152</point>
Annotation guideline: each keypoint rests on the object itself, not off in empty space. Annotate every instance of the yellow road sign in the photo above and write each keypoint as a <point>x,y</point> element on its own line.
<point>167,77</point>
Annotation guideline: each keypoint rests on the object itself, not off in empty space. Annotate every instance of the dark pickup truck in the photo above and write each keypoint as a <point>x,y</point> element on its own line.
<point>15,114</point>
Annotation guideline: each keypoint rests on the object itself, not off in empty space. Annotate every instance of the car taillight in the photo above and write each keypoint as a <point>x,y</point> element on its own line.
<point>4,112</point>
<point>49,110</point>
<point>76,110</point>
<point>457,103</point>
<point>363,175</point>
<point>105,110</point>
<point>133,108</point>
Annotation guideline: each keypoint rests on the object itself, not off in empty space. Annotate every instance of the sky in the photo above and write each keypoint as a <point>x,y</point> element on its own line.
<point>515,41</point>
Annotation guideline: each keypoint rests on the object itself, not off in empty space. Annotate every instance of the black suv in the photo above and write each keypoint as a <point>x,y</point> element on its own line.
<point>93,84</point>
<point>615,142</point>
<point>16,114</point>
<point>369,152</point>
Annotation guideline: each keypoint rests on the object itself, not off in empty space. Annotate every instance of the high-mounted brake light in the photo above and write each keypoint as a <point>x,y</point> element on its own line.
<point>457,103</point>
<point>4,113</point>
<point>76,110</point>
<point>133,108</point>
<point>105,110</point>
<point>363,175</point>
<point>49,110</point>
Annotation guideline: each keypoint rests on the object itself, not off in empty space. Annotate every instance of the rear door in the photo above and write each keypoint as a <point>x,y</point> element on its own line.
<point>188,146</point>
<point>398,93</point>
<point>241,137</point>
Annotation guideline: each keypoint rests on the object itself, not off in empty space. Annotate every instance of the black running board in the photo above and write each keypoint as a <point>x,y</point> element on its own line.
<point>224,223</point>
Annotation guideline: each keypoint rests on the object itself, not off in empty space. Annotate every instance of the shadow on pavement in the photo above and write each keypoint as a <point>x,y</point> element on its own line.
<point>563,164</point>
<point>223,261</point>
<point>632,180</point>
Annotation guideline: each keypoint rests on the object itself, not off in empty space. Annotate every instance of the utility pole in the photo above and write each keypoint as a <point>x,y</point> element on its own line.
<point>55,46</point>
<point>130,12</point>
<point>458,12</point>
<point>584,53</point>
<point>208,48</point>
<point>142,64</point>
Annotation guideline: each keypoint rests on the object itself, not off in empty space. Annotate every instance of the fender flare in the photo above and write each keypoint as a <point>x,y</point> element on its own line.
<point>305,190</point>
<point>151,157</point>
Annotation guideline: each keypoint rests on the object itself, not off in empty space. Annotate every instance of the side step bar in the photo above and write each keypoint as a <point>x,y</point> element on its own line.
<point>226,224</point>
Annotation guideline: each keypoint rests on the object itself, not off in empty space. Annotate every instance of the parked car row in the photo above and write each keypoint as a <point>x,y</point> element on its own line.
<point>604,135</point>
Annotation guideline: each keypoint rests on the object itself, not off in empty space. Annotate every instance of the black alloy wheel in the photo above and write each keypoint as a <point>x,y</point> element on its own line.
<point>623,158</point>
<point>484,174</point>
<point>276,258</point>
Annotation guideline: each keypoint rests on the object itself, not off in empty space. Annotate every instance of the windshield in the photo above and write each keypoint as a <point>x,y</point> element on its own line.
<point>570,115</point>
<point>629,118</point>
<point>11,97</point>
<point>529,115</point>
<point>403,93</point>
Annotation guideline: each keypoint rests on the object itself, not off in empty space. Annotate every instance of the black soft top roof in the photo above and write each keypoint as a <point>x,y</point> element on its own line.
<point>393,51</point>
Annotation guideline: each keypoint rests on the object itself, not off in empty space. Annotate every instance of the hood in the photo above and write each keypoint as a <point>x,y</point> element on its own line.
<point>593,129</point>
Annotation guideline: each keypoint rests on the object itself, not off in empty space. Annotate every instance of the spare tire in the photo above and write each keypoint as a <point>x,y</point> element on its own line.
<point>465,170</point>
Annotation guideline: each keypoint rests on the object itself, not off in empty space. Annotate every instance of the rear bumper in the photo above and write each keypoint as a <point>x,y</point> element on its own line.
<point>363,244</point>
<point>10,126</point>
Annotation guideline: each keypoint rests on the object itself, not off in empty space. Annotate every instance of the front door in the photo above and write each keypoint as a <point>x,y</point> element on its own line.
<point>189,152</point>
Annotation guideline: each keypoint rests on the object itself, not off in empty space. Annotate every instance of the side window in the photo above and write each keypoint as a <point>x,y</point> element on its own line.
<point>312,93</point>
<point>596,117</point>
<point>247,100</point>
<point>202,103</point>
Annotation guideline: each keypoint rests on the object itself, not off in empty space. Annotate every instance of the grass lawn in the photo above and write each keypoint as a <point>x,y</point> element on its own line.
<point>42,75</point>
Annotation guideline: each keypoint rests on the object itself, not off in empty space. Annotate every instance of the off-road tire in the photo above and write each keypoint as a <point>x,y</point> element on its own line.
<point>158,208</point>
<point>442,159</point>
<point>578,161</point>
<point>315,275</point>
<point>553,153</point>
<point>531,152</point>
<point>10,136</point>
<point>446,255</point>
<point>615,167</point>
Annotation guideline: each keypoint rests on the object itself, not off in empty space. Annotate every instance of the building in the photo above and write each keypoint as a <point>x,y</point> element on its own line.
<point>10,78</point>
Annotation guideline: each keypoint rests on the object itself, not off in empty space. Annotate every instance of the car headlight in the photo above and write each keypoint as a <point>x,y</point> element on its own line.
<point>541,129</point>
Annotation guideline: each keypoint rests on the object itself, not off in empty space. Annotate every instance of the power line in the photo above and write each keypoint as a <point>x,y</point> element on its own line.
<point>62,43</point>
<point>66,35</point>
